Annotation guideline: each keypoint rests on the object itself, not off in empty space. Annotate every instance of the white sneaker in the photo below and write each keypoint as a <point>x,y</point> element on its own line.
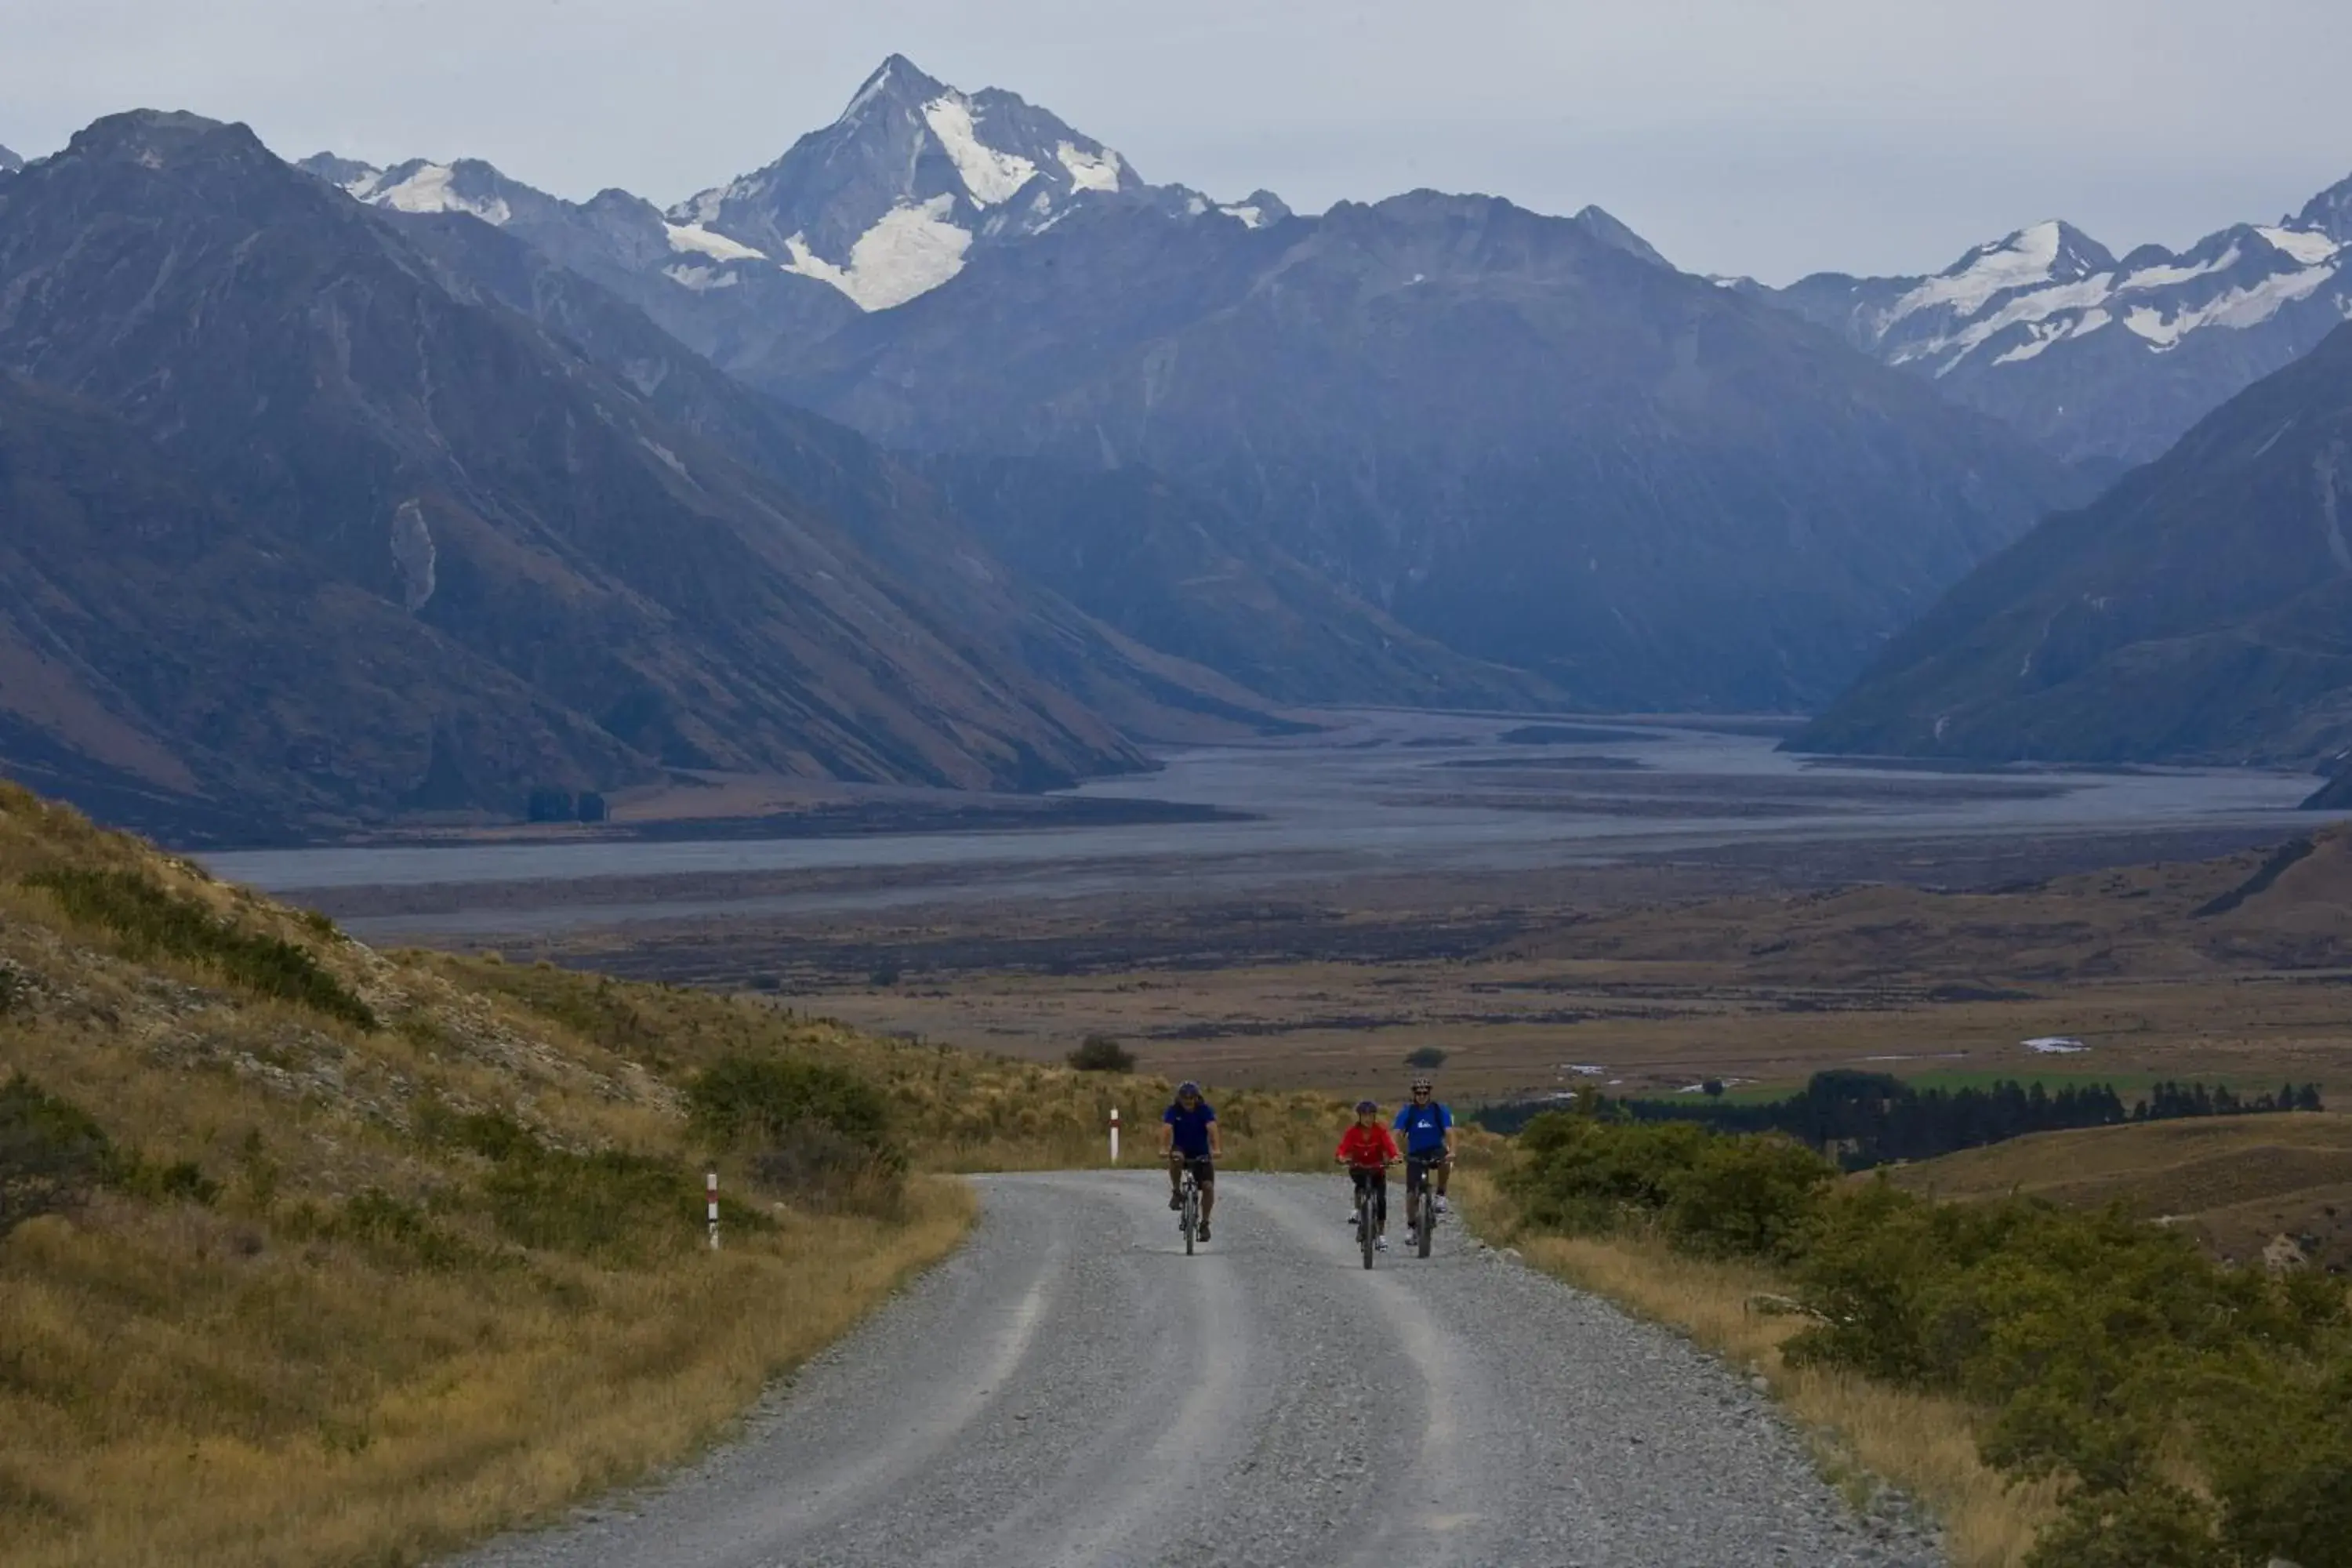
<point>1381,1242</point>
<point>1442,1207</point>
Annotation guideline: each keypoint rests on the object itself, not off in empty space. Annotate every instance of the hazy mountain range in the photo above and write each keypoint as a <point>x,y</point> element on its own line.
<point>1527,440</point>
<point>948,449</point>
<point>2201,609</point>
<point>2094,357</point>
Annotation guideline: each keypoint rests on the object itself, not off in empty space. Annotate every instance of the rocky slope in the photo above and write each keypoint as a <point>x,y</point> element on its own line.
<point>2101,360</point>
<point>655,599</point>
<point>2199,610</point>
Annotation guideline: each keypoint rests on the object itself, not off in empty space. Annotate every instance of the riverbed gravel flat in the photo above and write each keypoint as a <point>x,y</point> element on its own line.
<point>1072,1389</point>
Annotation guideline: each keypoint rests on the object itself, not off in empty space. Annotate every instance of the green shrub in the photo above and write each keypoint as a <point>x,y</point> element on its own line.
<point>829,1173</point>
<point>51,1153</point>
<point>1745,1197</point>
<point>150,920</point>
<point>1100,1053</point>
<point>608,1204</point>
<point>2100,1346</point>
<point>2275,1438</point>
<point>740,1101</point>
<point>1749,1196</point>
<point>2154,1525</point>
<point>1429,1059</point>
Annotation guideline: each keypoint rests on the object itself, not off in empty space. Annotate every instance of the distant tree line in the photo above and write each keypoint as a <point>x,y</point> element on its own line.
<point>1865,1119</point>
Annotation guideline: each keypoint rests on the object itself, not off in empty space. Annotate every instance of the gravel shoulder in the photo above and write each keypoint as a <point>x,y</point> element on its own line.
<point>1071,1389</point>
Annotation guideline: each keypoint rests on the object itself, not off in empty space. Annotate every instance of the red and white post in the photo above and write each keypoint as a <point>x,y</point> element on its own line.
<point>1114,1135</point>
<point>710,1193</point>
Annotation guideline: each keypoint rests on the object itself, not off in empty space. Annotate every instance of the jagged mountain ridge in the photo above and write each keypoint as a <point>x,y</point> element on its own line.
<point>2201,610</point>
<point>9,161</point>
<point>306,370</point>
<point>1516,435</point>
<point>2099,358</point>
<point>881,205</point>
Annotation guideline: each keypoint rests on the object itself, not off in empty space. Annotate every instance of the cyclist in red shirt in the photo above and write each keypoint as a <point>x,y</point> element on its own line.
<point>1368,1149</point>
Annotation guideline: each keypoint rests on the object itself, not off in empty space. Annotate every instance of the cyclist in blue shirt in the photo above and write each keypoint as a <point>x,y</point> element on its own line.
<point>1189,1136</point>
<point>1425,1128</point>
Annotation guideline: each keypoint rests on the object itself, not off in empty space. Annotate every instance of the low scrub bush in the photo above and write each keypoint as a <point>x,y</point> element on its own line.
<point>2103,1350</point>
<point>51,1153</point>
<point>1749,1195</point>
<point>1100,1053</point>
<point>608,1205</point>
<point>819,1135</point>
<point>741,1099</point>
<point>151,921</point>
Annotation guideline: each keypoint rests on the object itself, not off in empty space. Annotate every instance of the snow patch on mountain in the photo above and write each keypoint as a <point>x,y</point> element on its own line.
<point>2303,245</point>
<point>912,251</point>
<point>2022,260</point>
<point>700,278</point>
<point>701,241</point>
<point>990,175</point>
<point>2240,308</point>
<point>430,188</point>
<point>1096,171</point>
<point>2176,274</point>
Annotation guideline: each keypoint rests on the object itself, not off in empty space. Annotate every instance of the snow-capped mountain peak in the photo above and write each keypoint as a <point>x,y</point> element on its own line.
<point>9,161</point>
<point>421,185</point>
<point>884,202</point>
<point>2051,290</point>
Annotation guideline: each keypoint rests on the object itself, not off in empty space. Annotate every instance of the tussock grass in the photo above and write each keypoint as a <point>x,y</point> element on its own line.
<point>290,1281</point>
<point>1923,1444</point>
<point>182,1387</point>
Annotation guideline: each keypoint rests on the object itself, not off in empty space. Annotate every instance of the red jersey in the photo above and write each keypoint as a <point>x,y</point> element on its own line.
<point>1367,1148</point>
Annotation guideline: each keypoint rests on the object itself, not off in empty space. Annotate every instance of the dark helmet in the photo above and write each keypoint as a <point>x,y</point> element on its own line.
<point>1366,1108</point>
<point>1188,1089</point>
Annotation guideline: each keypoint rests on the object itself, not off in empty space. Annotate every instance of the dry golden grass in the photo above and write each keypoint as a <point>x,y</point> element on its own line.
<point>1922,1443</point>
<point>171,1399</point>
<point>2236,1181</point>
<point>263,1377</point>
<point>1770,989</point>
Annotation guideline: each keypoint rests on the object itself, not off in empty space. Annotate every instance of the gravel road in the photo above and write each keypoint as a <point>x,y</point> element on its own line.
<point>1071,1389</point>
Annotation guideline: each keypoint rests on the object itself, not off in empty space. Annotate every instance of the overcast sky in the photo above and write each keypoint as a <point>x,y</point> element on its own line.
<point>1772,137</point>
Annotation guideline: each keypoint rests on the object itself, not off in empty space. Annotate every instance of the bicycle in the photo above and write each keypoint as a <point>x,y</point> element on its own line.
<point>1188,1189</point>
<point>1368,1220</point>
<point>1420,1203</point>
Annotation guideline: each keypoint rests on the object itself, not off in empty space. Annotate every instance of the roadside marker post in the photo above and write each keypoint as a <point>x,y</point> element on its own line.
<point>1114,1135</point>
<point>710,1192</point>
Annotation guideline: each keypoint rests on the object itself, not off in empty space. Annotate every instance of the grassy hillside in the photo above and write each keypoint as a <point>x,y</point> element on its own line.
<point>311,1253</point>
<point>2238,1183</point>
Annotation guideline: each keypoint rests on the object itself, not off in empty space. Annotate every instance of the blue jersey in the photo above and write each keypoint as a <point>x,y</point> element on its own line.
<point>1191,1135</point>
<point>1422,1128</point>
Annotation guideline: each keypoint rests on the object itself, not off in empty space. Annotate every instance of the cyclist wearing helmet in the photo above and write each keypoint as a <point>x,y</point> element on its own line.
<point>1427,1130</point>
<point>1368,1151</point>
<point>1189,1136</point>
